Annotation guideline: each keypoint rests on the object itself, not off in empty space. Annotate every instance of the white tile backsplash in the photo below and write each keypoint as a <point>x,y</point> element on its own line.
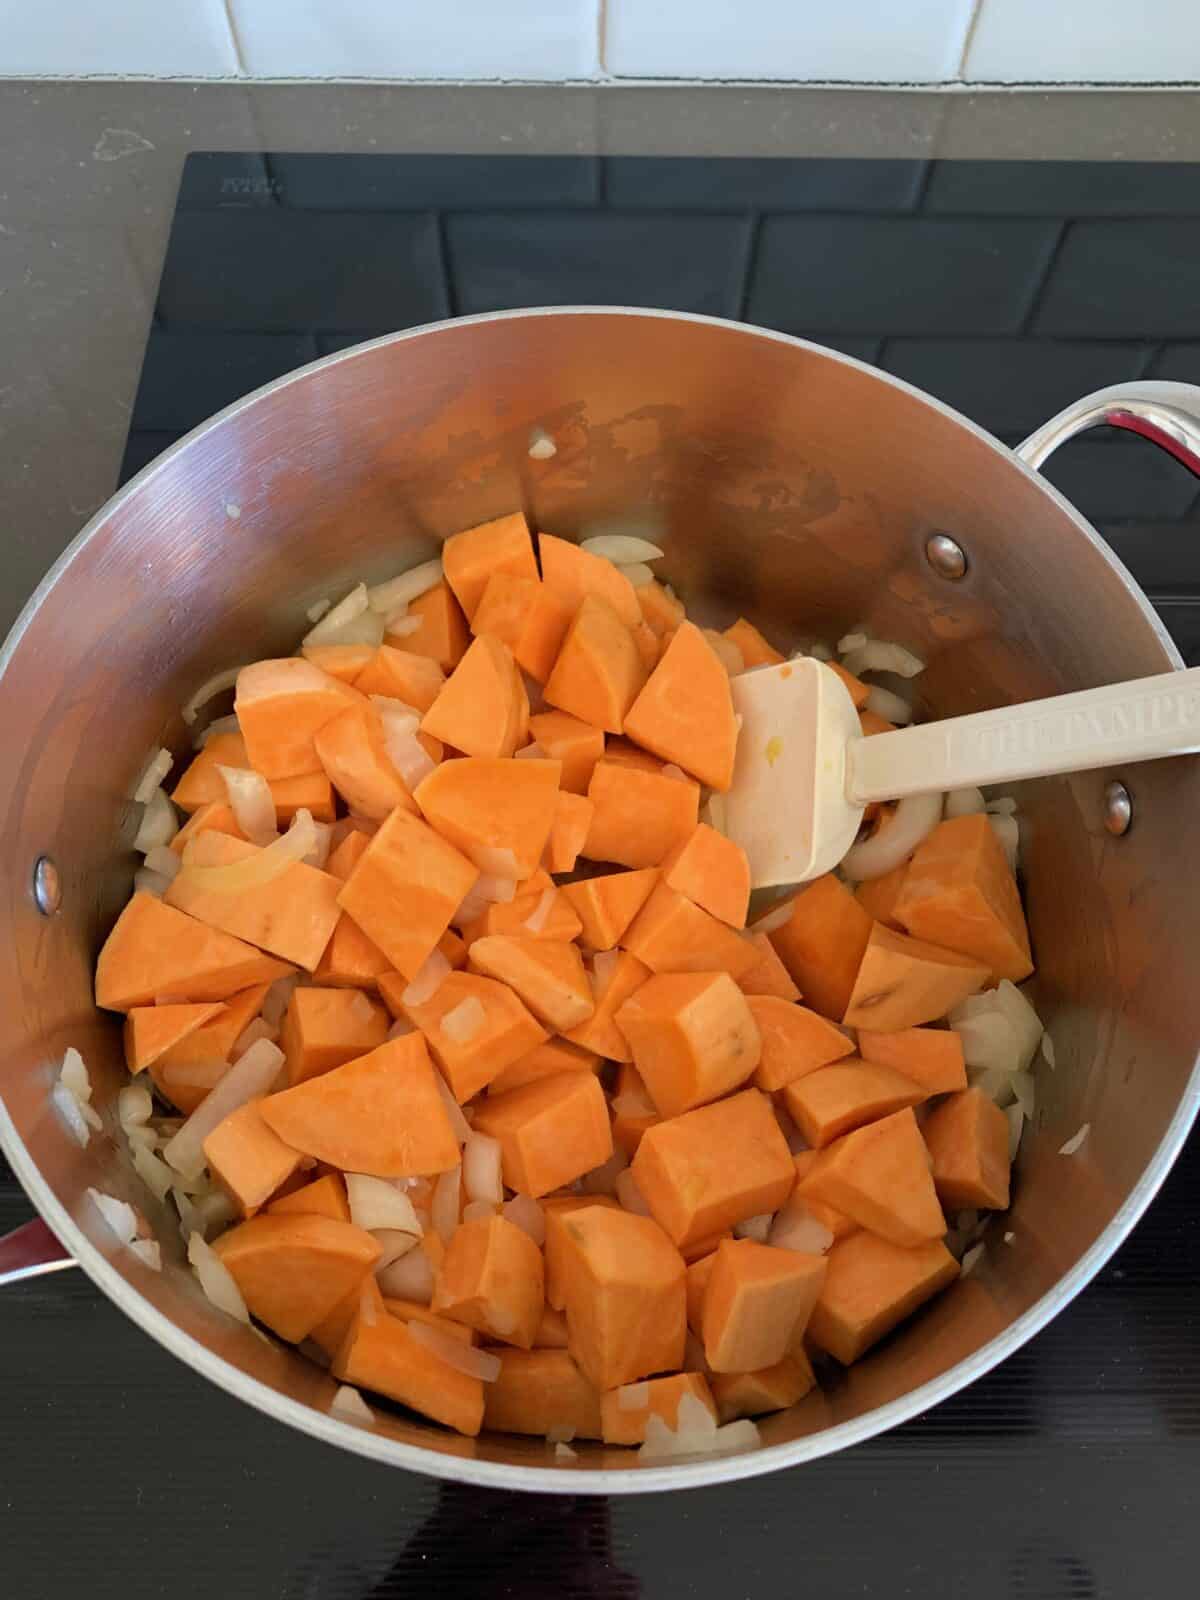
<point>551,39</point>
<point>127,38</point>
<point>920,41</point>
<point>1086,41</point>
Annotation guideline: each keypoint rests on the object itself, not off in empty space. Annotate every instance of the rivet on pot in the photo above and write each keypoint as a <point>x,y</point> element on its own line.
<point>1118,808</point>
<point>47,886</point>
<point>946,556</point>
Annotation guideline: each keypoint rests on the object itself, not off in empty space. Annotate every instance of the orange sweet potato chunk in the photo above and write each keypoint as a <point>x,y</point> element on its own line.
<point>353,754</point>
<point>568,834</point>
<point>293,1271</point>
<point>612,985</point>
<point>960,894</point>
<point>150,1031</point>
<point>832,1100</point>
<point>364,1300</point>
<point>753,1394</point>
<point>632,1108</point>
<point>548,976</point>
<point>323,1197</point>
<point>624,1412</point>
<point>685,712</point>
<point>498,812</point>
<point>871,722</point>
<point>757,1304</point>
<point>801,1204</point>
<point>482,709</point>
<point>401,675</point>
<point>903,982</point>
<point>879,1175</point>
<point>698,1274</point>
<point>795,1041</point>
<point>341,661</point>
<point>214,1040</point>
<point>292,916</point>
<point>544,1061</point>
<point>574,575</point>
<point>870,1286</point>
<point>932,1057</point>
<point>606,905</point>
<point>410,1311</point>
<point>693,1038</point>
<point>280,705</point>
<point>768,975</point>
<point>559,922</point>
<point>822,944</point>
<point>215,814</point>
<point>492,1279</point>
<point>625,1299</point>
<point>491,1029</point>
<point>671,934</point>
<point>202,786</point>
<point>857,688</point>
<point>878,896</point>
<point>967,1138</point>
<point>704,1171</point>
<point>556,1209</point>
<point>639,817</point>
<point>471,558</point>
<point>577,745</point>
<point>442,635</point>
<point>538,1390</point>
<point>550,1132</point>
<point>381,1114</point>
<point>531,619</point>
<point>156,951</point>
<point>379,1353</point>
<point>661,610</point>
<point>756,652</point>
<point>407,885</point>
<point>323,1028</point>
<point>713,872</point>
<point>248,1159</point>
<point>598,671</point>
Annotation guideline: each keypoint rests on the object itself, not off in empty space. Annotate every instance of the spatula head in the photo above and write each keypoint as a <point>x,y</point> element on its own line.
<point>787,807</point>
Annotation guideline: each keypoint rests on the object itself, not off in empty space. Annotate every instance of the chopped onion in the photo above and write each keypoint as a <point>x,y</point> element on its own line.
<point>964,802</point>
<point>252,872</point>
<point>207,690</point>
<point>464,1021</point>
<point>915,818</point>
<point>603,1179</point>
<point>409,586</point>
<point>754,1227</point>
<point>1009,1237</point>
<point>216,1279</point>
<point>250,800</point>
<point>879,656</point>
<point>1024,1019</point>
<point>1009,835</point>
<point>695,1434</point>
<point>1016,1125</point>
<point>971,1260</point>
<point>318,609</point>
<point>156,769</point>
<point>462,1357</point>
<point>726,652</point>
<point>778,917</point>
<point>375,1203</point>
<point>536,920</point>
<point>164,862</point>
<point>995,1082</point>
<point>135,1104</point>
<point>147,882</point>
<point>159,824</point>
<point>347,1402</point>
<point>258,1029</point>
<point>148,1253</point>
<point>989,1042</point>
<point>622,549</point>
<point>71,1112</point>
<point>405,751</point>
<point>119,1216</point>
<point>633,1396</point>
<point>410,1278</point>
<point>886,704</point>
<point>153,1172</point>
<point>253,1075</point>
<point>459,1125</point>
<point>277,999</point>
<point>638,573</point>
<point>1002,806</point>
<point>394,1244</point>
<point>219,725</point>
<point>851,642</point>
<point>541,446</point>
<point>331,628</point>
<point>319,854</point>
<point>1075,1142</point>
<point>1048,1050</point>
<point>564,1452</point>
<point>498,889</point>
<point>430,976</point>
<point>525,1213</point>
<point>73,1075</point>
<point>630,1196</point>
<point>481,1168</point>
<point>474,1209</point>
<point>714,813</point>
<point>446,1203</point>
<point>401,627</point>
<point>819,651</point>
<point>795,1228</point>
<point>499,867</point>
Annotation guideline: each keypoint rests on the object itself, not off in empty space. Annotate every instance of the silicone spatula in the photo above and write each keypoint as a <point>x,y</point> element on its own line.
<point>804,771</point>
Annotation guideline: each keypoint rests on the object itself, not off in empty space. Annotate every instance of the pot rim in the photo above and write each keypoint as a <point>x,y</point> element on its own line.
<point>575,1480</point>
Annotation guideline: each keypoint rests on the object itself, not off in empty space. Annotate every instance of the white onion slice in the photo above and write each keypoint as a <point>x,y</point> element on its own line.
<point>541,446</point>
<point>496,889</point>
<point>726,652</point>
<point>119,1216</point>
<point>1025,1021</point>
<point>252,872</point>
<point>318,609</point>
<point>474,1209</point>
<point>147,1252</point>
<point>536,920</point>
<point>481,1169</point>
<point>1009,834</point>
<point>879,656</point>
<point>250,800</point>
<point>216,1280</point>
<point>277,999</point>
<point>779,917</point>
<point>525,1213</point>
<point>622,549</point>
<point>215,685</point>
<point>164,862</point>
<point>886,704</point>
<point>159,824</point>
<point>405,751</point>
<point>1048,1050</point>
<point>71,1112</point>
<point>255,1030</point>
<point>348,1403</point>
<point>402,627</point>
<point>253,1075</point>
<point>155,771</point>
<point>1016,1125</point>
<point>1024,1089</point>
<point>499,865</point>
<point>971,1259</point>
<point>464,1021</point>
<point>915,818</point>
<point>563,1452</point>
<point>410,1278</point>
<point>330,628</point>
<point>429,979</point>
<point>394,1244</point>
<point>995,1082</point>
<point>1002,806</point>
<point>396,592</point>
<point>462,1357</point>
<point>323,841</point>
<point>989,1041</point>
<point>73,1075</point>
<point>638,573</point>
<point>135,1104</point>
<point>964,802</point>
<point>375,1203</point>
<point>795,1228</point>
<point>851,642</point>
<point>459,1125</point>
<point>630,1196</point>
<point>713,813</point>
<point>756,1228</point>
<point>229,724</point>
<point>819,651</point>
<point>147,882</point>
<point>445,1205</point>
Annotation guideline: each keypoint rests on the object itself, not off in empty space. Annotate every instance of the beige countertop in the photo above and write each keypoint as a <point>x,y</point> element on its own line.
<point>89,172</point>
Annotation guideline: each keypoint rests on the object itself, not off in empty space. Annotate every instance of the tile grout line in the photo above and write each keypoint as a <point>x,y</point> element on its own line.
<point>235,38</point>
<point>968,39</point>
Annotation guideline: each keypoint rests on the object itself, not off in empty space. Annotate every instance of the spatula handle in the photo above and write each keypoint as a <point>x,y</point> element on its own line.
<point>1137,721</point>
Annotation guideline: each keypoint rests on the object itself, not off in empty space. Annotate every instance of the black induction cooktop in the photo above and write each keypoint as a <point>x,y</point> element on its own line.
<point>1070,1473</point>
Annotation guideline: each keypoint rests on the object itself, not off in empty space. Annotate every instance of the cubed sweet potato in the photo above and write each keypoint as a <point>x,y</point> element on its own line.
<point>550,1131</point>
<point>492,1280</point>
<point>693,1038</point>
<point>442,634</point>
<point>540,1390</point>
<point>878,896</point>
<point>381,1354</point>
<point>155,951</point>
<point>548,976</point>
<point>497,812</point>
<point>213,814</point>
<point>795,1041</point>
<point>482,708</point>
<point>712,871</point>
<point>552,1330</point>
<point>607,904</point>
<point>471,558</point>
<point>531,619</point>
<point>698,1274</point>
<point>556,1209</point>
<point>528,912</point>
<point>202,786</point>
<point>341,661</point>
<point>835,1099</point>
<point>410,1311</point>
<point>353,754</point>
<point>639,816</point>
<point>150,1031</point>
<point>753,1394</point>
<point>633,1111</point>
<point>757,1304</point>
<point>870,1285</point>
<point>292,1271</point>
<point>903,982</point>
<point>322,1028</point>
<point>577,745</point>
<point>574,575</point>
<point>768,975</point>
<point>280,705</point>
<point>624,1412</point>
<point>822,944</point>
<point>932,1057</point>
<point>323,1197</point>
<point>568,834</point>
<point>543,1061</point>
<point>685,712</point>
<point>879,1175</point>
<point>598,670</point>
<point>209,1045</point>
<point>248,1159</point>
<point>967,1139</point>
<point>489,1028</point>
<point>755,650</point>
<point>672,934</point>
<point>612,986</point>
<point>416,680</point>
<point>661,610</point>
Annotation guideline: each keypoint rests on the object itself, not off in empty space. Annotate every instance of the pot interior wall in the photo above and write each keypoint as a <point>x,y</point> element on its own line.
<point>784,483</point>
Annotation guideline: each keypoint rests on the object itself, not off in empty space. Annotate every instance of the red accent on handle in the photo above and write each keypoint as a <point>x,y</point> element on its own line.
<point>28,1248</point>
<point>1156,435</point>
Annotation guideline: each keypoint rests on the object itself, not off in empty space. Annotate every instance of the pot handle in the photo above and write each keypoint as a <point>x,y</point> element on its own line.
<point>30,1251</point>
<point>1168,414</point>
